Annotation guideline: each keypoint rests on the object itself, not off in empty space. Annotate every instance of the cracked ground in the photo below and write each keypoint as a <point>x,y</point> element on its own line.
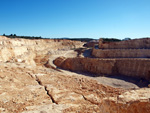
<point>39,89</point>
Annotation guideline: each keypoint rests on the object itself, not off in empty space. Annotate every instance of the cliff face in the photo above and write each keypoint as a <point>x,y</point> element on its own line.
<point>121,53</point>
<point>28,51</point>
<point>128,44</point>
<point>138,68</point>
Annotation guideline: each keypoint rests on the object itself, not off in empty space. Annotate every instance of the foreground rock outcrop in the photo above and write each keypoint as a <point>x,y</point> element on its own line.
<point>38,89</point>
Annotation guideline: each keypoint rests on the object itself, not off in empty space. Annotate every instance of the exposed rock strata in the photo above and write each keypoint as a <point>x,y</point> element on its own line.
<point>129,67</point>
<point>121,53</point>
<point>32,51</point>
<point>128,44</point>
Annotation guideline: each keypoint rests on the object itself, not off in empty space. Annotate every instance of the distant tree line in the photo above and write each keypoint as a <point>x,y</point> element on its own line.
<point>75,39</point>
<point>35,37</point>
<point>79,39</point>
<point>24,37</point>
<point>90,39</point>
<point>111,40</point>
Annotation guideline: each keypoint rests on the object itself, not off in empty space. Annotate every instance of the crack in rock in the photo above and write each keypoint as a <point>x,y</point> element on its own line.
<point>40,83</point>
<point>53,100</point>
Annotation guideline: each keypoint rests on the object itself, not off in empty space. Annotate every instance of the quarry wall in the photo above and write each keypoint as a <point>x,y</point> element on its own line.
<point>139,68</point>
<point>128,44</point>
<point>27,51</point>
<point>121,53</point>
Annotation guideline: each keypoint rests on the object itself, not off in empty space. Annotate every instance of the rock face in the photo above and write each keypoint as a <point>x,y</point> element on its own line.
<point>130,101</point>
<point>121,53</point>
<point>138,68</point>
<point>32,51</point>
<point>128,44</point>
<point>137,48</point>
<point>30,82</point>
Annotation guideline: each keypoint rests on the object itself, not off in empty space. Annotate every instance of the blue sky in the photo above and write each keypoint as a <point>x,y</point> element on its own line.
<point>76,18</point>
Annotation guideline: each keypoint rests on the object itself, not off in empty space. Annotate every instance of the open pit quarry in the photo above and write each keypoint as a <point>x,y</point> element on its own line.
<point>62,76</point>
